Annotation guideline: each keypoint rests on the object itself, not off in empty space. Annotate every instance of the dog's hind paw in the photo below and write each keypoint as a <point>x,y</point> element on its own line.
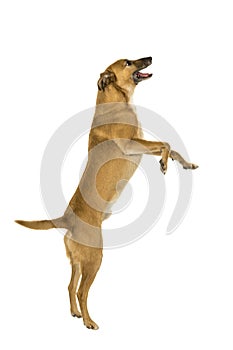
<point>91,324</point>
<point>76,314</point>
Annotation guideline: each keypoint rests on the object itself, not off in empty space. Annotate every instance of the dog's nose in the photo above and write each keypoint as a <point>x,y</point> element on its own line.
<point>143,62</point>
<point>148,60</point>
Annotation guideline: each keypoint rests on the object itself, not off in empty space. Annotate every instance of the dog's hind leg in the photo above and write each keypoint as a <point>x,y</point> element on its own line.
<point>75,275</point>
<point>89,271</point>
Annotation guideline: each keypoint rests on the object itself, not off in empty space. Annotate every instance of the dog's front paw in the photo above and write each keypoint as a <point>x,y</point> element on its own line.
<point>190,166</point>
<point>163,166</point>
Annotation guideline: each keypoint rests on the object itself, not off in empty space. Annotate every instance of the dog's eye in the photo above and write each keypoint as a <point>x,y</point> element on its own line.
<point>128,63</point>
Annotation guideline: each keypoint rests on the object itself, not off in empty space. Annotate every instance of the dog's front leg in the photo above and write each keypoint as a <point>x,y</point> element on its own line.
<point>140,146</point>
<point>186,165</point>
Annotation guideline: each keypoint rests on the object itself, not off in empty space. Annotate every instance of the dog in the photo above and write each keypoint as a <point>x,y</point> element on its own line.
<point>116,146</point>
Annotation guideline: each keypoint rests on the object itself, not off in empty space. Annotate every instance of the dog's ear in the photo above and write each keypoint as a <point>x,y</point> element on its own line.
<point>105,79</point>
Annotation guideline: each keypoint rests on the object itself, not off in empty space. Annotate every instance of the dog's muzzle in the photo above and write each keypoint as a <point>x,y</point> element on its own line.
<point>142,63</point>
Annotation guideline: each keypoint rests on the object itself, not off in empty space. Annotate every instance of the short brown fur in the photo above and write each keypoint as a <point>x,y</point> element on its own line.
<point>121,140</point>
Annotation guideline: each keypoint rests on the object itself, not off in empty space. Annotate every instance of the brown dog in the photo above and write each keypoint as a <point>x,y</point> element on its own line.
<point>115,150</point>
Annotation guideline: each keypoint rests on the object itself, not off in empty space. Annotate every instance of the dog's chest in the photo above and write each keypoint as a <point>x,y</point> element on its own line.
<point>107,172</point>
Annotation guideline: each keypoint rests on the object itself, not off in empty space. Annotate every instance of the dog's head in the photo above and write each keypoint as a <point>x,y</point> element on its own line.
<point>125,74</point>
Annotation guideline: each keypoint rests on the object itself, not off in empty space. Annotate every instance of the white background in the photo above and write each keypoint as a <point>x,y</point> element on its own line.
<point>162,292</point>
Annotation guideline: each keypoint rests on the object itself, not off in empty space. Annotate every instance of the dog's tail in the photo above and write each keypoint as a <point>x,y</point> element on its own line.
<point>45,224</point>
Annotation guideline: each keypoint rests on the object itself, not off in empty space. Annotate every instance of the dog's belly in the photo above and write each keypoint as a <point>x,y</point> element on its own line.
<point>106,175</point>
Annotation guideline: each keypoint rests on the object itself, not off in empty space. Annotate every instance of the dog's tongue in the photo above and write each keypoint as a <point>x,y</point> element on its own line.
<point>143,75</point>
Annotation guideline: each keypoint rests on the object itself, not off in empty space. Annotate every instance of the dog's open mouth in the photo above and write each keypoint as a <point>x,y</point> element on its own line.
<point>139,76</point>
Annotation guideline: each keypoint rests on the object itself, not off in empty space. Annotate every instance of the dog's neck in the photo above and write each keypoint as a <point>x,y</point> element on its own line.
<point>114,93</point>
